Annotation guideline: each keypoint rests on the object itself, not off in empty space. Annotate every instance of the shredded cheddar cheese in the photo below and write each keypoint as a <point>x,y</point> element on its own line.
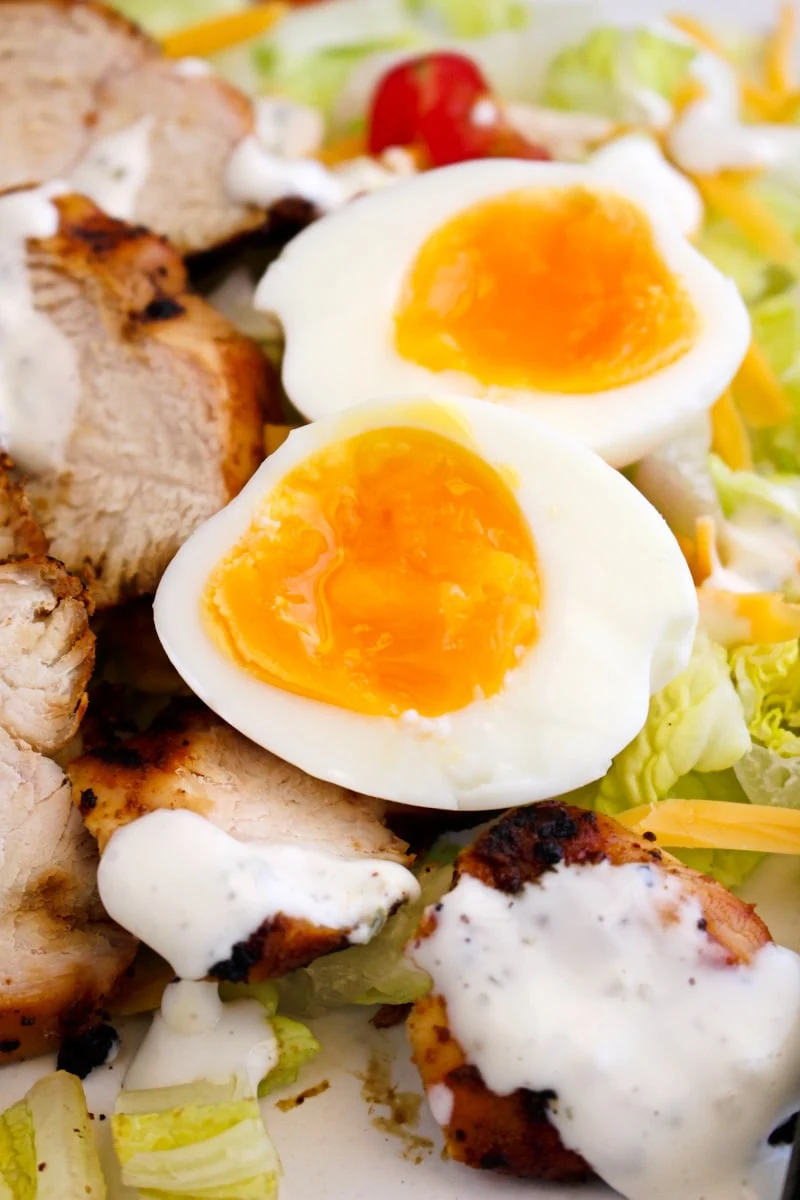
<point>758,392</point>
<point>219,33</point>
<point>729,439</point>
<point>730,197</point>
<point>767,101</point>
<point>742,618</point>
<point>780,53</point>
<point>718,825</point>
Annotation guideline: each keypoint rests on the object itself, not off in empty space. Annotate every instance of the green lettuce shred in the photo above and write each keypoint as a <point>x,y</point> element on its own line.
<point>776,329</point>
<point>208,1151</point>
<point>160,17</point>
<point>296,1046</point>
<point>50,1126</point>
<point>767,679</point>
<point>472,18</point>
<point>756,277</point>
<point>600,74</point>
<point>694,734</point>
<point>376,973</point>
<point>694,724</point>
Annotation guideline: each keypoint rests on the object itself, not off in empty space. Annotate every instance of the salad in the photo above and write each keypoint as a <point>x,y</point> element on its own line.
<point>400,583</point>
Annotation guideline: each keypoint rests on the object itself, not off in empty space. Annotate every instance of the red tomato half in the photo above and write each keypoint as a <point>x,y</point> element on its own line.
<point>443,103</point>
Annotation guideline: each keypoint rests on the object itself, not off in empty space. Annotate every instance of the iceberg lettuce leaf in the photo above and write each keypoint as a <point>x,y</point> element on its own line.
<point>776,329</point>
<point>197,1149</point>
<point>694,734</point>
<point>50,1125</point>
<point>296,1046</point>
<point>602,73</point>
<point>694,724</point>
<point>377,973</point>
<point>472,18</point>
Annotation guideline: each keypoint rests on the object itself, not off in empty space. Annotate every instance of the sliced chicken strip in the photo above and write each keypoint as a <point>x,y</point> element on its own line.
<point>194,761</point>
<point>169,402</point>
<point>54,56</point>
<point>84,95</point>
<point>513,1133</point>
<point>46,652</point>
<point>59,953</point>
<point>175,134</point>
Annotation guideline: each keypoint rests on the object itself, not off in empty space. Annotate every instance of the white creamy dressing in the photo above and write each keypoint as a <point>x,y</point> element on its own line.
<point>196,1037</point>
<point>192,68</point>
<point>39,379</point>
<point>115,168</point>
<point>255,176</point>
<point>363,174</point>
<point>600,983</point>
<point>191,892</point>
<point>762,554</point>
<point>568,136</point>
<point>709,137</point>
<point>634,157</point>
<point>287,129</point>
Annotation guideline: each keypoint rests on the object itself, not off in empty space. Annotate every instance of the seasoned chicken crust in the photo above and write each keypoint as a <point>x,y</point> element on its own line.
<point>169,424</point>
<point>193,760</point>
<point>513,1134</point>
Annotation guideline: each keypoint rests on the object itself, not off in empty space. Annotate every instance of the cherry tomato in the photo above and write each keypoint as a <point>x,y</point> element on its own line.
<point>443,103</point>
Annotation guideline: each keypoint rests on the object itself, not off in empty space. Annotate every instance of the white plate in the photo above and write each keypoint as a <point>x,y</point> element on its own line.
<point>341,1144</point>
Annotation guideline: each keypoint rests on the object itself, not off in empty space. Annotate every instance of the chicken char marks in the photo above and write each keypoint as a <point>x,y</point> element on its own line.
<point>192,760</point>
<point>513,1134</point>
<point>170,409</point>
<point>75,72</point>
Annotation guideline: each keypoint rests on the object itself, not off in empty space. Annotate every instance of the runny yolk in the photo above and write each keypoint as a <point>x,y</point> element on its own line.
<point>554,290</point>
<point>390,571</point>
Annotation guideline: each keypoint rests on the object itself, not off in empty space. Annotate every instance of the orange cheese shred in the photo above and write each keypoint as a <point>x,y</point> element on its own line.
<point>717,825</point>
<point>729,438</point>
<point>781,50</point>
<point>220,33</point>
<point>731,198</point>
<point>764,101</point>
<point>742,618</point>
<point>759,394</point>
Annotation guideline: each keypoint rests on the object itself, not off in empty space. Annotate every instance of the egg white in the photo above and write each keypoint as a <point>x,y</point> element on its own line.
<point>617,621</point>
<point>335,288</point>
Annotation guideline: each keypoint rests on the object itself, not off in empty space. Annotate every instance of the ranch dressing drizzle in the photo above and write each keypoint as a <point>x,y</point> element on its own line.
<point>254,175</point>
<point>114,169</point>
<point>196,1037</point>
<point>669,1065</point>
<point>192,892</point>
<point>39,381</point>
<point>709,137</point>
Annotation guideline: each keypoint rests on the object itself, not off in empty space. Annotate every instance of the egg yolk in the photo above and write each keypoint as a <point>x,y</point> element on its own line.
<point>388,572</point>
<point>552,290</point>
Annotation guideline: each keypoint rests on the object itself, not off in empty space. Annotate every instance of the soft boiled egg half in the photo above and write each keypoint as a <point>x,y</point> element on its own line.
<point>445,604</point>
<point>566,292</point>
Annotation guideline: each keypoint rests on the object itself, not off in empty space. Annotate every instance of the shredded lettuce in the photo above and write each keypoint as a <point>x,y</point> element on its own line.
<point>604,72</point>
<point>51,1126</point>
<point>296,1046</point>
<point>472,18</point>
<point>776,328</point>
<point>160,17</point>
<point>296,1043</point>
<point>377,973</point>
<point>210,1146</point>
<point>755,276</point>
<point>694,733</point>
<point>767,679</point>
<point>694,724</point>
